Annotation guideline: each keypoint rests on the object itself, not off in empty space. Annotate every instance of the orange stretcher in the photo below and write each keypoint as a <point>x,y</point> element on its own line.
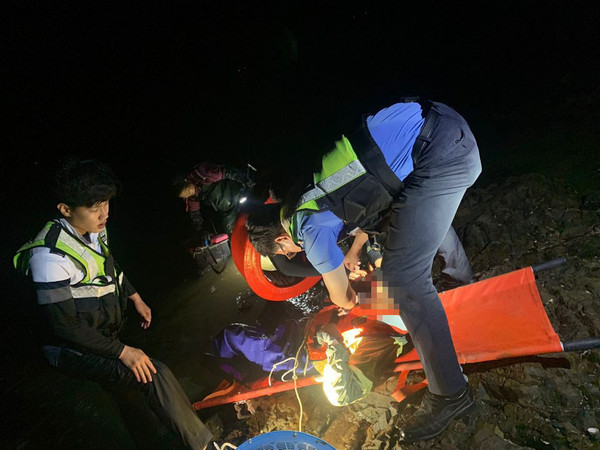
<point>498,318</point>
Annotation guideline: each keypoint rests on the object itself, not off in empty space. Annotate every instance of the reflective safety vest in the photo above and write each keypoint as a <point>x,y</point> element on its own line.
<point>101,278</point>
<point>345,187</point>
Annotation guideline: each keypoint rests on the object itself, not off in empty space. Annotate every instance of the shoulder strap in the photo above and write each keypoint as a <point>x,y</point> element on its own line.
<point>370,155</point>
<point>47,237</point>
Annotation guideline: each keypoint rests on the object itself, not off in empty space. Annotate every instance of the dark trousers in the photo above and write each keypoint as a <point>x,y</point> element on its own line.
<point>446,163</point>
<point>162,400</point>
<point>455,266</point>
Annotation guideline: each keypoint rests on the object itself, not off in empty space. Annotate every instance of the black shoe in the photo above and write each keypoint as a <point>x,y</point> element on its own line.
<point>435,414</point>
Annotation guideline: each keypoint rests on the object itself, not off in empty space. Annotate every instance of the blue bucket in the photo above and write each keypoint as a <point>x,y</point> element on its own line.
<point>285,440</point>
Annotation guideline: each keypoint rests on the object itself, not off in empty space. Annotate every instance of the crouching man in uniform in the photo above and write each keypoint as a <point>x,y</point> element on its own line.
<point>84,294</point>
<point>410,163</point>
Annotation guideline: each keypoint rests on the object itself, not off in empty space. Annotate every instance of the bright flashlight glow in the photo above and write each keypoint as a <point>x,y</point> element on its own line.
<point>243,199</point>
<point>352,338</point>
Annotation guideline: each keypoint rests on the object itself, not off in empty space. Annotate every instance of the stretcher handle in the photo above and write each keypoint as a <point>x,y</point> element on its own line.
<point>549,264</point>
<point>581,344</point>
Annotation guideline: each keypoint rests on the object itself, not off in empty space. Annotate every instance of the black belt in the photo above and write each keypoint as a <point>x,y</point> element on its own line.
<point>431,118</point>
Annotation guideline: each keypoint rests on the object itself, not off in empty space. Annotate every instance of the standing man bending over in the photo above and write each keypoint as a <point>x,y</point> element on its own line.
<point>411,164</point>
<point>84,295</point>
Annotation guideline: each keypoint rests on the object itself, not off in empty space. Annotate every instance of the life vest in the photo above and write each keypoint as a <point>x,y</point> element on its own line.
<point>101,282</point>
<point>345,187</point>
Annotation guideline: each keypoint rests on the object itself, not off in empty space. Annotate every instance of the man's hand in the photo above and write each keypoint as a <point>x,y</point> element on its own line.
<point>352,276</point>
<point>138,362</point>
<point>143,310</point>
<point>352,258</point>
<point>352,261</point>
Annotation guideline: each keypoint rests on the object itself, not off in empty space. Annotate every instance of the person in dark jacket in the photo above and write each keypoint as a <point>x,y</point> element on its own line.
<point>83,295</point>
<point>215,191</point>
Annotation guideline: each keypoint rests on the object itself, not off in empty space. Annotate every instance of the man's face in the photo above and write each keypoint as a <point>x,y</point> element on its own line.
<point>86,219</point>
<point>187,191</point>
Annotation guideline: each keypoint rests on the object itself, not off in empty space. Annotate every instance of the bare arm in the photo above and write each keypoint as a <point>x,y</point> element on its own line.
<point>338,286</point>
<point>351,260</point>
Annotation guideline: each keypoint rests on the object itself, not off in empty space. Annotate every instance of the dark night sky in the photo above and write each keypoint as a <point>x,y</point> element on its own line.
<point>154,86</point>
<point>191,79</point>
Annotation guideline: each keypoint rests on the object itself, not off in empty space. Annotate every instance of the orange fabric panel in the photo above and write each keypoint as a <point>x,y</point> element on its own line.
<point>501,317</point>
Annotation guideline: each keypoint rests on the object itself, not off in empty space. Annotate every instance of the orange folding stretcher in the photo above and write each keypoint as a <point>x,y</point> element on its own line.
<point>498,318</point>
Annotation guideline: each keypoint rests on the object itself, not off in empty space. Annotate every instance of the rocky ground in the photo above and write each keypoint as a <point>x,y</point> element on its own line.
<point>551,402</point>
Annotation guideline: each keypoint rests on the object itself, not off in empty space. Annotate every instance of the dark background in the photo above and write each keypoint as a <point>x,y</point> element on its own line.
<point>154,87</point>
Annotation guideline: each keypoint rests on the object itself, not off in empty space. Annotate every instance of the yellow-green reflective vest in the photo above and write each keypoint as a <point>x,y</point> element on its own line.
<point>344,187</point>
<point>100,275</point>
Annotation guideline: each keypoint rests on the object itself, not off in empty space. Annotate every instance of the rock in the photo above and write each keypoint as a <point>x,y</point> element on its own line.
<point>214,424</point>
<point>482,393</point>
<point>591,202</point>
<point>486,437</point>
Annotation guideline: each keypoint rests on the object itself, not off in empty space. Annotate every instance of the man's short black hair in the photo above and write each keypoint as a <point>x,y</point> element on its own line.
<point>263,227</point>
<point>84,182</point>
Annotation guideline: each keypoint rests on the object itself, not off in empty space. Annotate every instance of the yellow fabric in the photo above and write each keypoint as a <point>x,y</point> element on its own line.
<point>267,264</point>
<point>338,158</point>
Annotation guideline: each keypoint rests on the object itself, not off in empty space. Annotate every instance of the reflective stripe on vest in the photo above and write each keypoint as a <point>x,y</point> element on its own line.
<point>338,168</point>
<point>92,291</point>
<point>353,170</point>
<point>96,282</point>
